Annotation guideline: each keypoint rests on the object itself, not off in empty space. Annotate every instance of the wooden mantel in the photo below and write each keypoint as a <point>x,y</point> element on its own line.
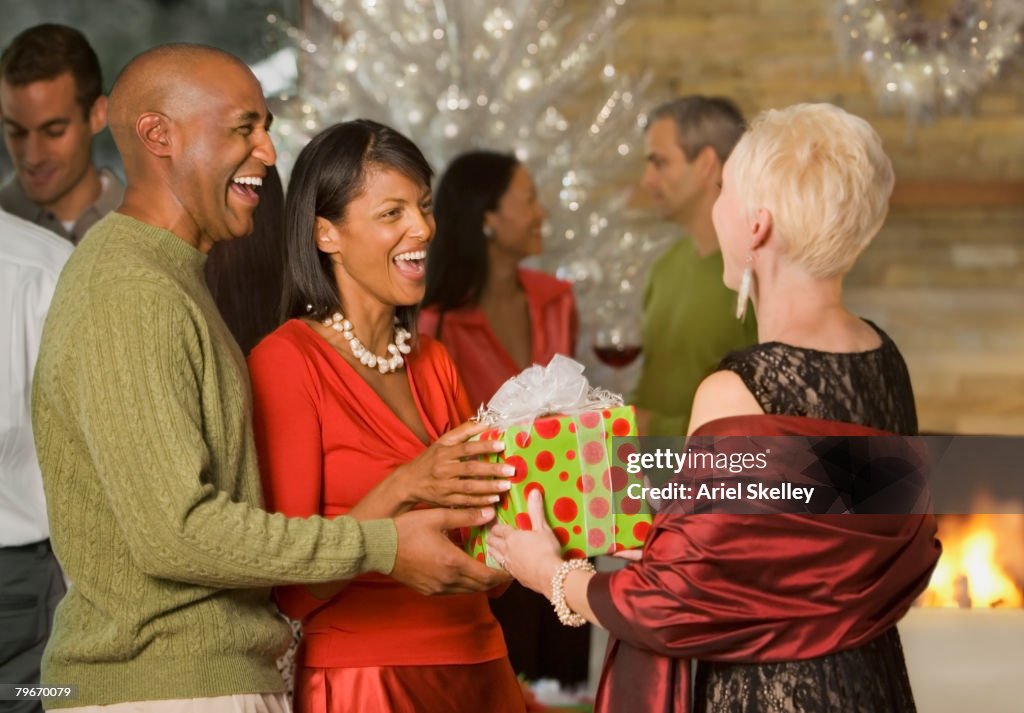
<point>952,194</point>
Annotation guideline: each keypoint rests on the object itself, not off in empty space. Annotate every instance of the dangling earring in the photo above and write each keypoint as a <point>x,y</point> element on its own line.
<point>488,232</point>
<point>746,283</point>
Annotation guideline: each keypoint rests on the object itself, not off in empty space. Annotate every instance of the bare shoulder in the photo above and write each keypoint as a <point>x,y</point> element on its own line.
<point>721,394</point>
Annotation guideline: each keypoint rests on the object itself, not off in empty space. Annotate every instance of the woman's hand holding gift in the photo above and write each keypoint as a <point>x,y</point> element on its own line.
<point>449,473</point>
<point>534,558</point>
<point>531,556</point>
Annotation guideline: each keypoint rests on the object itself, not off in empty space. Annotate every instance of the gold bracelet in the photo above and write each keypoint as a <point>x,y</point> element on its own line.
<point>566,615</point>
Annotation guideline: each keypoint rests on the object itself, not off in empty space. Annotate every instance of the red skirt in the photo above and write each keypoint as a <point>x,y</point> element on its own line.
<point>452,688</point>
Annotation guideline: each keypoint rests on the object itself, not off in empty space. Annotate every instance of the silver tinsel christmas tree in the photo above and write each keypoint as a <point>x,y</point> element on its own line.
<point>528,76</point>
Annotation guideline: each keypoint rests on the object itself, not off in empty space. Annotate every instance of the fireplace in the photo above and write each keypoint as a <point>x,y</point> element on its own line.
<point>982,564</point>
<point>964,640</point>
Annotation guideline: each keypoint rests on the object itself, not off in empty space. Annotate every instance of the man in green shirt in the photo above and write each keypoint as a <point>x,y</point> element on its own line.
<point>689,315</point>
<point>141,413</point>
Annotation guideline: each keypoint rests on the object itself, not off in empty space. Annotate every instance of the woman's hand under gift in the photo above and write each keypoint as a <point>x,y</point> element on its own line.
<point>449,473</point>
<point>534,556</point>
<point>531,556</point>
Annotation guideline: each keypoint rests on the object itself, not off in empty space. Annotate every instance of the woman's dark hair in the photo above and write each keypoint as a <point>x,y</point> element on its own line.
<point>328,175</point>
<point>457,263</point>
<point>245,276</point>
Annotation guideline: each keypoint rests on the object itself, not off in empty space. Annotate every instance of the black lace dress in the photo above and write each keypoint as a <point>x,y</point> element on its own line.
<point>869,388</point>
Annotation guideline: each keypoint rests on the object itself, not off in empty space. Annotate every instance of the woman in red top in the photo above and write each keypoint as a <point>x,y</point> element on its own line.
<point>496,319</point>
<point>346,403</point>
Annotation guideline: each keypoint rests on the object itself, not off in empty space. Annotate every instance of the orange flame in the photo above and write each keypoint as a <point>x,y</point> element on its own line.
<point>978,558</point>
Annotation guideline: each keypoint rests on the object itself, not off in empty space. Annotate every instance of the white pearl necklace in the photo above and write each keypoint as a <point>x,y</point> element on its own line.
<point>393,361</point>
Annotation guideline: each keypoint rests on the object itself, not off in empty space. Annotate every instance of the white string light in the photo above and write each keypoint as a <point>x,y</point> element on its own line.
<point>922,67</point>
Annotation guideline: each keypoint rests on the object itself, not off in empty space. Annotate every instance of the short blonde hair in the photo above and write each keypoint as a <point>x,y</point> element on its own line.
<point>823,175</point>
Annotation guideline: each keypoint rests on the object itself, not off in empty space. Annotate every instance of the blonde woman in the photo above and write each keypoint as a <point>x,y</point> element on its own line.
<point>783,612</point>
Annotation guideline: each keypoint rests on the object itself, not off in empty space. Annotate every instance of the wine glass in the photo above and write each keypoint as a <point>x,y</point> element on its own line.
<point>617,345</point>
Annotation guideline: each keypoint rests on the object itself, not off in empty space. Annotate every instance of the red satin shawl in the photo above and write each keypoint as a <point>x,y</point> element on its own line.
<point>754,588</point>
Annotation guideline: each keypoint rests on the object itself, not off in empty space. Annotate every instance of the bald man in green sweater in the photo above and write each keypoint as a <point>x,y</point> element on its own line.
<point>141,412</point>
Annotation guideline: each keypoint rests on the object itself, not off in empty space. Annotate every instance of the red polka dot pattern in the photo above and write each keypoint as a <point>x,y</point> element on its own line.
<point>545,461</point>
<point>547,427</point>
<point>565,510</point>
<point>640,530</point>
<point>522,439</point>
<point>630,506</point>
<point>530,487</point>
<point>563,476</point>
<point>594,452</point>
<point>519,463</point>
<point>625,451</point>
<point>596,538</point>
<point>585,484</point>
<point>590,419</point>
<point>620,427</point>
<point>523,521</point>
<point>562,534</point>
<point>599,507</point>
<point>620,478</point>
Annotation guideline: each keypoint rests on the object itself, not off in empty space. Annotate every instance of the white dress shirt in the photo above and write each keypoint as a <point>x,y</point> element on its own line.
<point>30,261</point>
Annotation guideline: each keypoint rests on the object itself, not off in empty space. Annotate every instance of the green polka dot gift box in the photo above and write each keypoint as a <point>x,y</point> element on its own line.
<point>577,462</point>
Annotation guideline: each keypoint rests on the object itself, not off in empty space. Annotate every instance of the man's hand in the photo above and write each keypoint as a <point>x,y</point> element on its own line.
<point>427,560</point>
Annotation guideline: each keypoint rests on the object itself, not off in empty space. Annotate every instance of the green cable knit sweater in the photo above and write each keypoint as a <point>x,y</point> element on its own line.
<point>141,411</point>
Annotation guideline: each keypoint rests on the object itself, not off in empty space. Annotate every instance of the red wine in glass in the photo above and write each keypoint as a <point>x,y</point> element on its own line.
<point>617,355</point>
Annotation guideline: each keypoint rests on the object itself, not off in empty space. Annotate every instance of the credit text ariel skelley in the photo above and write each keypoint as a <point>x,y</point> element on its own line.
<point>721,493</point>
<point>664,458</point>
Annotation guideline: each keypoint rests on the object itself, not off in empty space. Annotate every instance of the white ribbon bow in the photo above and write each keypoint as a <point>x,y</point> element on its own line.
<point>559,387</point>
